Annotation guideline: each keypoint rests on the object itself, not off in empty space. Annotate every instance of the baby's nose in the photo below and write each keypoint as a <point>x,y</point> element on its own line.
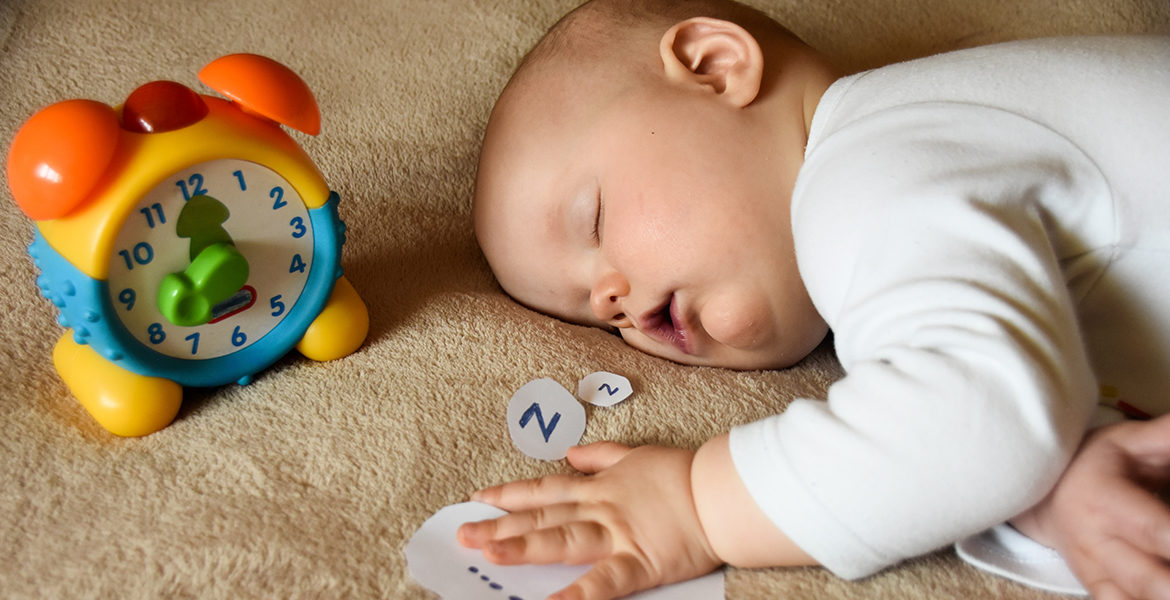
<point>607,297</point>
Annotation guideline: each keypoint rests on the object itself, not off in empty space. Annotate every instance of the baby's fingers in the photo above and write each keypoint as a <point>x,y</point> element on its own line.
<point>1127,569</point>
<point>520,523</point>
<point>596,457</point>
<point>614,577</point>
<point>576,543</point>
<point>1147,440</point>
<point>1142,519</point>
<point>530,493</point>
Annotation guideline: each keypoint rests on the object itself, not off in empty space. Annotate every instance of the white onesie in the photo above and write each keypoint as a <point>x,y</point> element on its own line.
<point>987,233</point>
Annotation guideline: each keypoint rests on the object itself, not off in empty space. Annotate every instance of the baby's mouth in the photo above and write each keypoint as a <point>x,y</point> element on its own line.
<point>665,324</point>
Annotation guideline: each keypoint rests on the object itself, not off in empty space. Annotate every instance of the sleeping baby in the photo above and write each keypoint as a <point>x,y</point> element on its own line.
<point>985,233</point>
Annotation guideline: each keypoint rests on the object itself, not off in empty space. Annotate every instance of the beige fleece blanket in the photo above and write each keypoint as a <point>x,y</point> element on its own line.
<point>309,481</point>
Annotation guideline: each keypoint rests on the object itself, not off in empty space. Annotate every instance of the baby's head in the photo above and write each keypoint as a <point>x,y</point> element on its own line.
<point>636,175</point>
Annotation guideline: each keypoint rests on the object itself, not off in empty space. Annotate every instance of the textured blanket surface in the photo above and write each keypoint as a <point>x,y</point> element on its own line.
<point>309,481</point>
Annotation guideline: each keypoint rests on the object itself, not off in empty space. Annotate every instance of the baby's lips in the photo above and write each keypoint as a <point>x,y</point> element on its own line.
<point>665,324</point>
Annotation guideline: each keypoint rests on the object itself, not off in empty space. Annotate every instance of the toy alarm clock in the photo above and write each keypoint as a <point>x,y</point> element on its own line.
<point>186,239</point>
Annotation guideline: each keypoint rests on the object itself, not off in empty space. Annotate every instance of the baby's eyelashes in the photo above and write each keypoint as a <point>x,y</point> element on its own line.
<point>597,216</point>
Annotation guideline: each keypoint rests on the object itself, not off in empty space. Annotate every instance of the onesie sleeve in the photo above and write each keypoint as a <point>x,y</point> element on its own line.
<point>930,239</point>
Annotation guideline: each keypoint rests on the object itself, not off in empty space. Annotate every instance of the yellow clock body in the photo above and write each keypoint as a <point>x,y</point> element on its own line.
<point>198,247</point>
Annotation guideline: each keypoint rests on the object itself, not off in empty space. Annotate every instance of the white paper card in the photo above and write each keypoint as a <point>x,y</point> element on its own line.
<point>1008,553</point>
<point>604,389</point>
<point>440,563</point>
<point>544,419</point>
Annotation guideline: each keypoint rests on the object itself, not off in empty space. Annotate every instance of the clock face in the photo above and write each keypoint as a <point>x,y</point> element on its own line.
<point>192,232</point>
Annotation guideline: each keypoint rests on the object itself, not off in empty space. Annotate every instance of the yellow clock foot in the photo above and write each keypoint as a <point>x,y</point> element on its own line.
<point>125,403</point>
<point>340,328</point>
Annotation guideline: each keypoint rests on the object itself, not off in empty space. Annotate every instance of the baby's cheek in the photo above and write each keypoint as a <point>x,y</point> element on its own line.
<point>738,321</point>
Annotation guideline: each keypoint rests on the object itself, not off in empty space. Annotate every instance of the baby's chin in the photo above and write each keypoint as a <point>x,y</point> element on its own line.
<point>736,361</point>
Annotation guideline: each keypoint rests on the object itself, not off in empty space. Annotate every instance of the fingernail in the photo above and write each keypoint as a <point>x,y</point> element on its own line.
<point>462,535</point>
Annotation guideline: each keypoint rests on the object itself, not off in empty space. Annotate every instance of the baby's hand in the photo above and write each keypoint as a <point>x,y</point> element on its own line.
<point>632,516</point>
<point>1105,517</point>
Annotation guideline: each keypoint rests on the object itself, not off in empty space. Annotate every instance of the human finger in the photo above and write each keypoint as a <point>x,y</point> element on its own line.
<point>1146,440</point>
<point>529,493</point>
<point>575,543</point>
<point>1106,590</point>
<point>522,522</point>
<point>1142,518</point>
<point>613,577</point>
<point>473,535</point>
<point>595,457</point>
<point>1135,573</point>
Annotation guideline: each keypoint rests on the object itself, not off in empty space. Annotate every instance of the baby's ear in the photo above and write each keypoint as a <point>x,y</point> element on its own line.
<point>715,54</point>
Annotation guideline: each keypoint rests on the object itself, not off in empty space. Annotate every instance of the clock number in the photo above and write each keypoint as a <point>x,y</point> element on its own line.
<point>298,264</point>
<point>298,225</point>
<point>240,176</point>
<point>156,333</point>
<point>158,210</point>
<point>194,339</point>
<point>192,187</point>
<point>277,194</point>
<point>238,337</point>
<point>277,306</point>
<point>142,255</point>
<point>127,297</point>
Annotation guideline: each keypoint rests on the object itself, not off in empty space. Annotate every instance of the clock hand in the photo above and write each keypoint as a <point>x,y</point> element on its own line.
<point>202,220</point>
<point>217,268</point>
<point>186,298</point>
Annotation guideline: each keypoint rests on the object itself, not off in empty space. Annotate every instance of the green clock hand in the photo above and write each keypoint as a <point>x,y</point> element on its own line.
<point>217,269</point>
<point>186,298</point>
<point>202,220</point>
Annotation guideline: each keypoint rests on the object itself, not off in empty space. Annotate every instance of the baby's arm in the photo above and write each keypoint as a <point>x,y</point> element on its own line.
<point>1105,517</point>
<point>644,517</point>
<point>929,237</point>
<point>738,531</point>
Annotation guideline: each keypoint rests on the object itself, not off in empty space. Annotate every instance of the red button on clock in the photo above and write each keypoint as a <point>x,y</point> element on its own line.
<point>162,106</point>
